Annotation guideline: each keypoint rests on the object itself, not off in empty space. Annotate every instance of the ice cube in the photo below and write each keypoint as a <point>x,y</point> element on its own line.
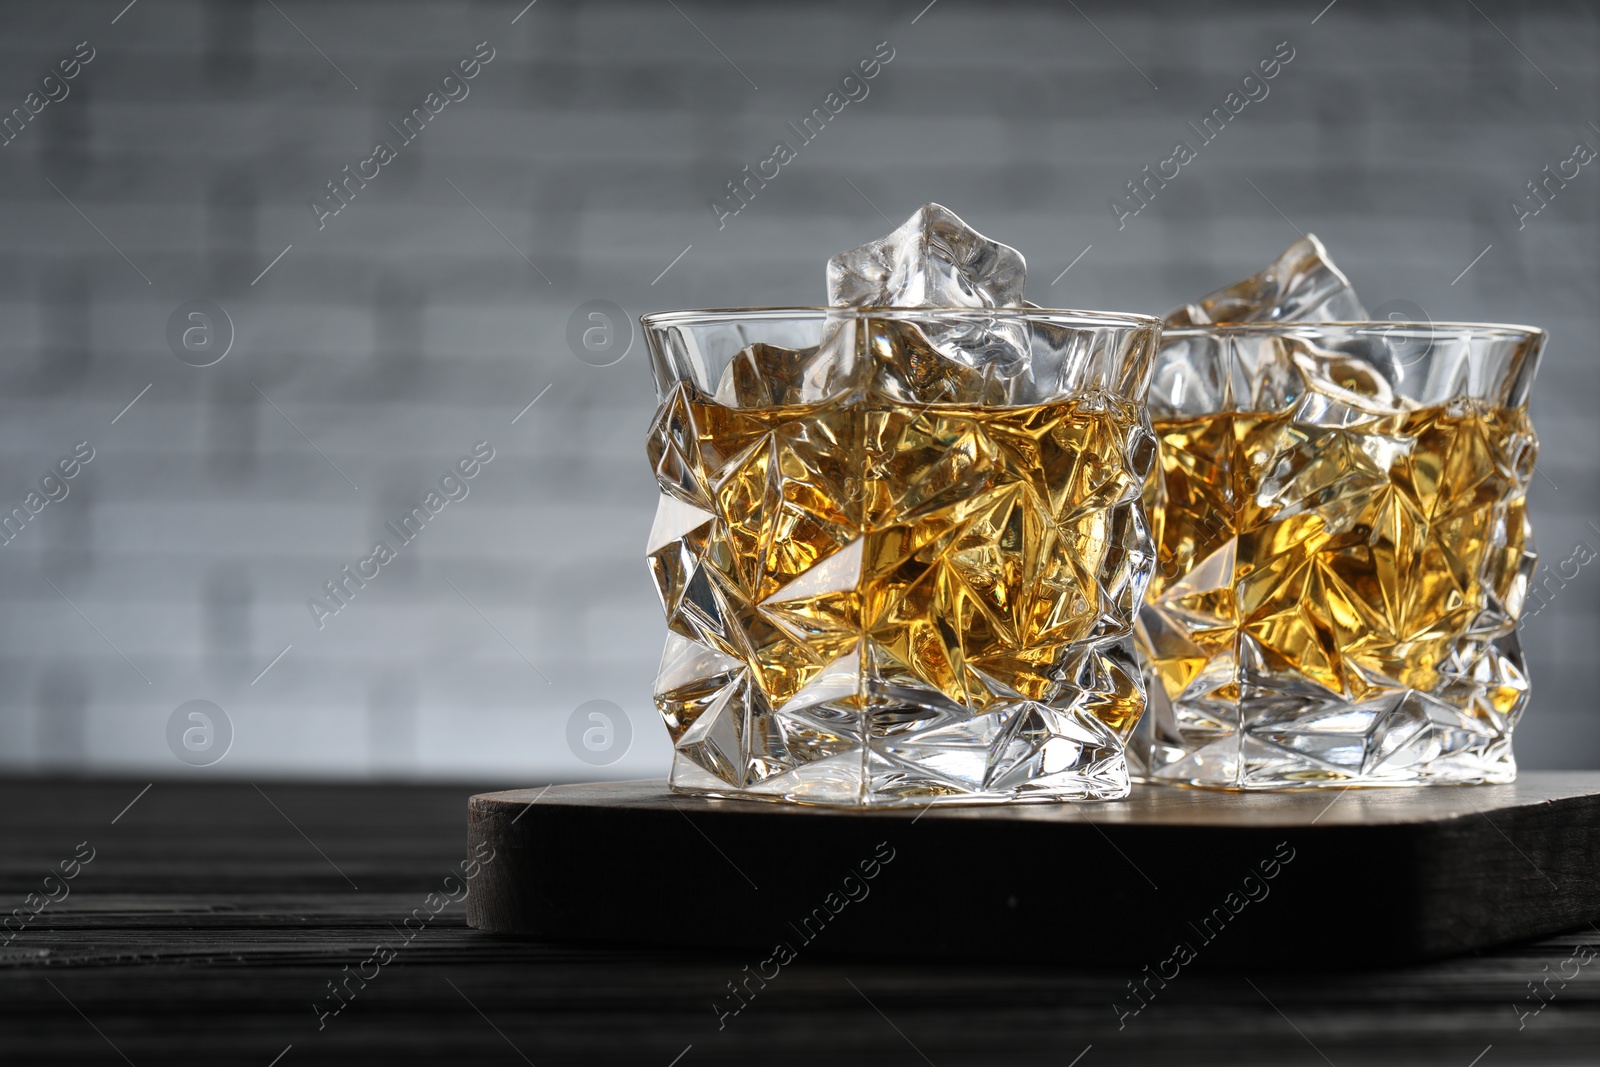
<point>1302,285</point>
<point>935,260</point>
<point>766,376</point>
<point>907,368</point>
<point>1341,388</point>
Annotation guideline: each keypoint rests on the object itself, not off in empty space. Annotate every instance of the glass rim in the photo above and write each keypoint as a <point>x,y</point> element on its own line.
<point>1058,316</point>
<point>1485,330</point>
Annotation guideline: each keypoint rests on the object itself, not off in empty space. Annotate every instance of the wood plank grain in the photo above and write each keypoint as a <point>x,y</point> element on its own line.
<point>206,927</point>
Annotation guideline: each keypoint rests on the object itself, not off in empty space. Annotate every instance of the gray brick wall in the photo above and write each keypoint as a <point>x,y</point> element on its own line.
<point>408,328</point>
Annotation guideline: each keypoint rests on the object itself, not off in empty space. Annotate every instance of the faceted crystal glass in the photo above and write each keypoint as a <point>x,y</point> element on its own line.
<point>1343,551</point>
<point>891,576</point>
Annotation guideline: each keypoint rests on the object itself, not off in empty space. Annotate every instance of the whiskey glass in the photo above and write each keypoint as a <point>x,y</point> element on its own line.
<point>900,551</point>
<point>1343,552</point>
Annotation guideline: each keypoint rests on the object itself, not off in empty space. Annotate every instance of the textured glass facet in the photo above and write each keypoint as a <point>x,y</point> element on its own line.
<point>890,578</point>
<point>1343,551</point>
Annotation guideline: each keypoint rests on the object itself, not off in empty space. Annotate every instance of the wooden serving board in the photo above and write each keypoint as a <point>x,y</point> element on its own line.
<point>1166,878</point>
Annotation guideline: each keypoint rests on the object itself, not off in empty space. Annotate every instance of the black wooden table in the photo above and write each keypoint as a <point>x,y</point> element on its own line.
<point>211,922</point>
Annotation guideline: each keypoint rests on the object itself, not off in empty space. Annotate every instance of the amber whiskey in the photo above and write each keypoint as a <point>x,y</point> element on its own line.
<point>890,555</point>
<point>1313,572</point>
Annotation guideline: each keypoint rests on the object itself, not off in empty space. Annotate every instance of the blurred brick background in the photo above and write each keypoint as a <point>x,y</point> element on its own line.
<point>408,328</point>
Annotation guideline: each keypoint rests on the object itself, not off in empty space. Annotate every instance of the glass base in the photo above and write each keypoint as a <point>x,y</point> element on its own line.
<point>864,732</point>
<point>1236,766</point>
<point>850,781</point>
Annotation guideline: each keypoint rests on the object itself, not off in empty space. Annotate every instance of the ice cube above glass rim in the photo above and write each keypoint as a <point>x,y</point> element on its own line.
<point>933,312</point>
